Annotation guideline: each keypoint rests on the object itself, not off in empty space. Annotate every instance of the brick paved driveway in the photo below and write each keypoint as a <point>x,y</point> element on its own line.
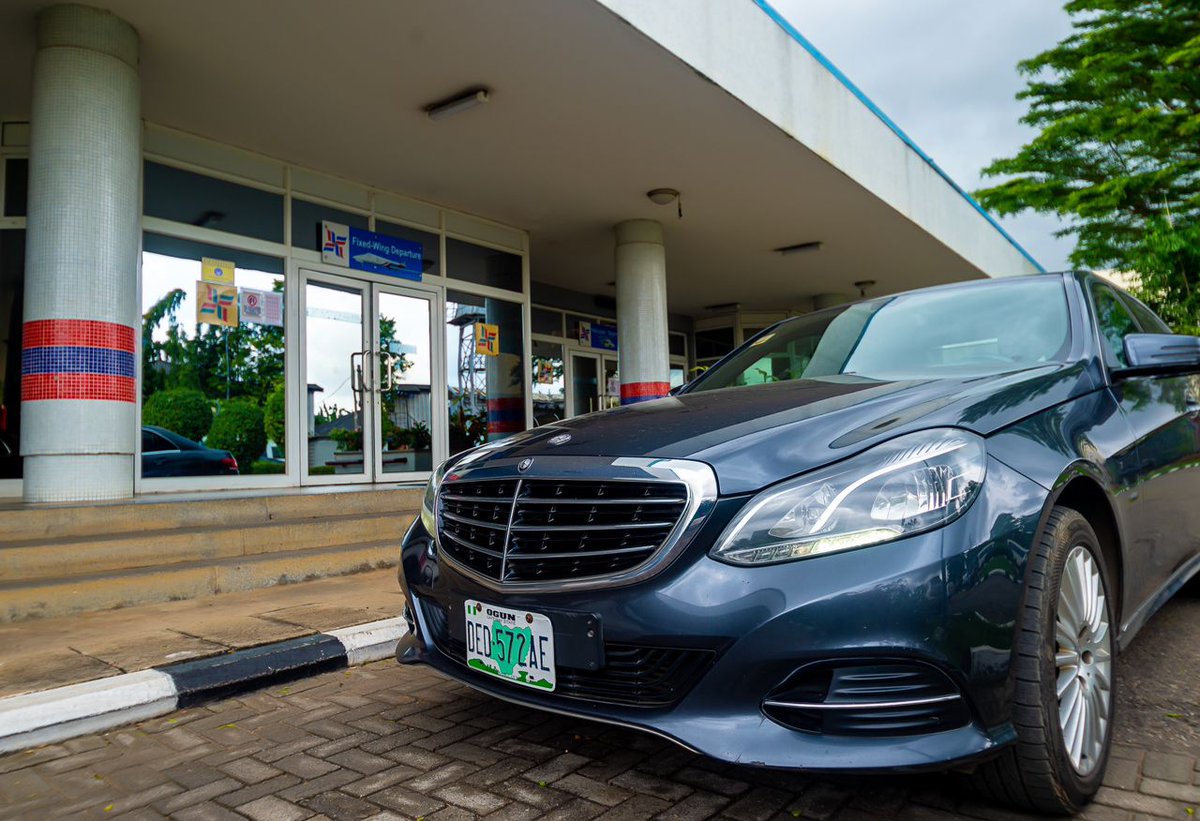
<point>390,742</point>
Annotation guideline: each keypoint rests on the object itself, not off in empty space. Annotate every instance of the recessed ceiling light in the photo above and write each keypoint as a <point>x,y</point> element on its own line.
<point>458,103</point>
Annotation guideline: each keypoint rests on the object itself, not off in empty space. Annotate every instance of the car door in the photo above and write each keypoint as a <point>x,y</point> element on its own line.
<point>1163,413</point>
<point>157,455</point>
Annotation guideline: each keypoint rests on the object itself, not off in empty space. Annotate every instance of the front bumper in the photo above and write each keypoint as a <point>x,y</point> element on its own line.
<point>945,599</point>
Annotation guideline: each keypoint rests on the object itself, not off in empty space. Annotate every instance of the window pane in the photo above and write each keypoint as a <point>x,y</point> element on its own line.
<point>547,322</point>
<point>677,344</point>
<point>204,381</point>
<point>1149,321</point>
<point>306,222</point>
<point>549,384</point>
<point>485,266</point>
<point>333,330</point>
<point>12,298</point>
<point>184,196</point>
<point>1114,321</point>
<point>16,186</point>
<point>713,344</point>
<point>430,252</point>
<point>486,391</point>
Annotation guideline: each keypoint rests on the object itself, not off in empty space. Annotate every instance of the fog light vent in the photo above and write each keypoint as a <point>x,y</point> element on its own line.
<point>867,698</point>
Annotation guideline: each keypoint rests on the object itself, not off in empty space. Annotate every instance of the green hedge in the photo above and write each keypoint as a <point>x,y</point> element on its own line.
<point>238,429</point>
<point>185,411</point>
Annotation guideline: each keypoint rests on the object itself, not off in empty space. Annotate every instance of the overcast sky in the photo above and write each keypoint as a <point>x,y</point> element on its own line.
<point>945,72</point>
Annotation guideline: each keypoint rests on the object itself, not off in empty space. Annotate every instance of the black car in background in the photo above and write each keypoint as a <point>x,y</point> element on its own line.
<point>909,533</point>
<point>166,453</point>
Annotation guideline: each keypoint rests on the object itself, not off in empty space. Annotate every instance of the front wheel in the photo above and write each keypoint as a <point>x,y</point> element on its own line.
<point>1064,668</point>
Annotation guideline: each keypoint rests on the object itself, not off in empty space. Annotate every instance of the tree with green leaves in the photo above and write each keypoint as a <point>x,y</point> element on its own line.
<point>1117,105</point>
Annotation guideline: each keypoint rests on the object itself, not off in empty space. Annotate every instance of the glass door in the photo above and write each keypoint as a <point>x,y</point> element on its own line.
<point>336,373</point>
<point>369,377</point>
<point>585,383</point>
<point>403,386</point>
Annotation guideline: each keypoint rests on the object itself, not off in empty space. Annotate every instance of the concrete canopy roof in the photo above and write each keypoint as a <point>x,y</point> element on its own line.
<point>594,102</point>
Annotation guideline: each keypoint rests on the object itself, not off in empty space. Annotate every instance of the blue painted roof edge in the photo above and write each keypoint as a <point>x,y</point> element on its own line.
<point>792,32</point>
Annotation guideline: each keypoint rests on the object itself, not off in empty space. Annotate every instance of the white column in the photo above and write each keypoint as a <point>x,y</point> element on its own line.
<point>642,311</point>
<point>78,375</point>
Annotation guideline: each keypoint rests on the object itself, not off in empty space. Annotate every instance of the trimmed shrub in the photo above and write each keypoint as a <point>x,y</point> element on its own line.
<point>238,429</point>
<point>275,416</point>
<point>185,411</point>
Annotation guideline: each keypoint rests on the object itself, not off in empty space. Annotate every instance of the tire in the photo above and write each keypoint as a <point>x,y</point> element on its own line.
<point>1042,772</point>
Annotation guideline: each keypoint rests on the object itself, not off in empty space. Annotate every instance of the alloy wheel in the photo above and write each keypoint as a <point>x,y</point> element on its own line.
<point>1083,660</point>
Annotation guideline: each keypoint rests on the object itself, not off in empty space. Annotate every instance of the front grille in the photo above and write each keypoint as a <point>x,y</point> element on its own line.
<point>632,675</point>
<point>870,699</point>
<point>530,530</point>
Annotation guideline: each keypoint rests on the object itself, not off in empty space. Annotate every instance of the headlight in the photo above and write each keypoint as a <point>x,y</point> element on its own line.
<point>428,516</point>
<point>913,483</point>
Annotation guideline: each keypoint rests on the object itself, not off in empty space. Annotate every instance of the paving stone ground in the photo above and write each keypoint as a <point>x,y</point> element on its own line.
<point>391,742</point>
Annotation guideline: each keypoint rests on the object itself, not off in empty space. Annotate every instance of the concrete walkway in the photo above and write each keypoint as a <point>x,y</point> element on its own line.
<point>43,653</point>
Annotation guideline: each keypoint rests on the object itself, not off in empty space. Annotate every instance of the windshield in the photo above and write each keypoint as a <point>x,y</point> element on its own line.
<point>969,331</point>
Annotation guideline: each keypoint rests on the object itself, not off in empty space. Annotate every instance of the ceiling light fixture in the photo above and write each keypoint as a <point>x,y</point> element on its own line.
<point>665,196</point>
<point>796,249</point>
<point>458,103</point>
<point>662,196</point>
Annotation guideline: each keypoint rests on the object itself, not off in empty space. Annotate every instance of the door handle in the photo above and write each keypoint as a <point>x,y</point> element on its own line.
<point>388,362</point>
<point>356,374</point>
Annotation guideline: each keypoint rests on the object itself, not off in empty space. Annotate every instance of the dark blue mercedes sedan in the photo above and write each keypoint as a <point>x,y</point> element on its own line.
<point>910,533</point>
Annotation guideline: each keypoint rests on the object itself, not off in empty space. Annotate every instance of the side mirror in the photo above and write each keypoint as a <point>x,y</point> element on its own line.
<point>1161,353</point>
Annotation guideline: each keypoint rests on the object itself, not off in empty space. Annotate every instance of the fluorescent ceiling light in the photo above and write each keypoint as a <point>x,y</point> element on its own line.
<point>460,102</point>
<point>796,249</point>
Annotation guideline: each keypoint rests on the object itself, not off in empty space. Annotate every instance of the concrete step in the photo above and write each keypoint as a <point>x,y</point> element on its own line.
<point>102,591</point>
<point>20,523</point>
<point>69,557</point>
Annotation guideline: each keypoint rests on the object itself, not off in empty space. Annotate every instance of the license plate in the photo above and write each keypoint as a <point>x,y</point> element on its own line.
<point>514,645</point>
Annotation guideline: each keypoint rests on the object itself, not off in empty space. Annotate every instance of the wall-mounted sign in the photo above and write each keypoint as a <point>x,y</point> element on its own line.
<point>369,251</point>
<point>487,339</point>
<point>217,271</point>
<point>216,304</point>
<point>604,336</point>
<point>263,307</point>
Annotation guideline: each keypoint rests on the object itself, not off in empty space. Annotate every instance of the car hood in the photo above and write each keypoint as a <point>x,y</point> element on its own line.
<point>757,435</point>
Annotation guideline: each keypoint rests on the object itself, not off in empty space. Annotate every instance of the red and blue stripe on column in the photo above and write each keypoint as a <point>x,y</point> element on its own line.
<point>506,415</point>
<point>78,359</point>
<point>634,392</point>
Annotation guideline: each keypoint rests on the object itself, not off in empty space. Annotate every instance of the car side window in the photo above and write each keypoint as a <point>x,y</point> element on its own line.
<point>1114,321</point>
<point>1146,318</point>
<point>152,442</point>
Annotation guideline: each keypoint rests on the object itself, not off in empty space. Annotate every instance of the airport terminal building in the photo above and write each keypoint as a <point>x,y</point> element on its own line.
<point>258,248</point>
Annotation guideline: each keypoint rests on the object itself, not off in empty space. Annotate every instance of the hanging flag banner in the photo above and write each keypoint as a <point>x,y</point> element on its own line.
<point>263,307</point>
<point>487,339</point>
<point>218,271</point>
<point>369,251</point>
<point>216,304</point>
<point>335,243</point>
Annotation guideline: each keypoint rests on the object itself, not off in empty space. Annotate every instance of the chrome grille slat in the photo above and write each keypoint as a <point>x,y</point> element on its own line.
<point>555,529</point>
<point>579,555</point>
<point>529,500</point>
<point>504,500</point>
<point>560,528</point>
<point>472,546</point>
<point>474,522</point>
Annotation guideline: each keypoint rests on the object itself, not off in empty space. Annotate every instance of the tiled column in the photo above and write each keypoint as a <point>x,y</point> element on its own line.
<point>505,376</point>
<point>642,311</point>
<point>78,366</point>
